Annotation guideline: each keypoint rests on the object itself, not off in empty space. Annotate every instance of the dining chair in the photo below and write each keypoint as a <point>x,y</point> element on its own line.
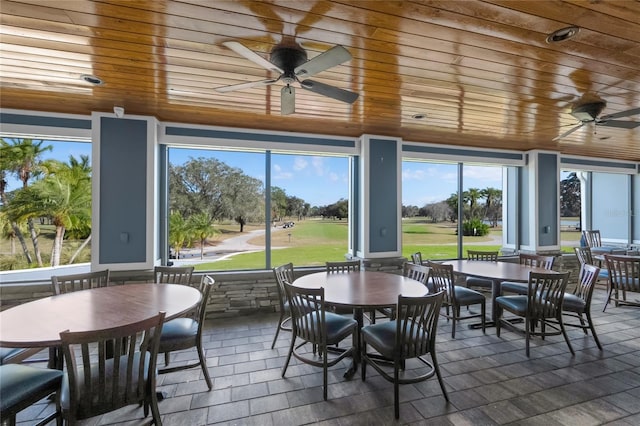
<point>455,296</point>
<point>624,276</point>
<point>318,327</point>
<point>172,274</point>
<point>95,383</point>
<point>61,284</point>
<point>541,305</point>
<point>22,386</point>
<point>417,258</point>
<point>342,267</point>
<point>411,335</point>
<point>186,333</point>
<point>532,260</point>
<point>282,274</point>
<point>578,303</point>
<point>584,256</point>
<point>481,256</point>
<point>18,355</point>
<point>419,273</point>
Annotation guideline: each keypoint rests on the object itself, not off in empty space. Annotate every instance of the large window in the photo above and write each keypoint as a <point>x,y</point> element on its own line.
<point>219,202</point>
<point>45,203</point>
<point>570,210</point>
<point>430,208</point>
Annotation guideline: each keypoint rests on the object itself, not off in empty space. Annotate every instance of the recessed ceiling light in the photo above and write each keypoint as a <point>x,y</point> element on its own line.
<point>92,79</point>
<point>419,116</point>
<point>562,34</point>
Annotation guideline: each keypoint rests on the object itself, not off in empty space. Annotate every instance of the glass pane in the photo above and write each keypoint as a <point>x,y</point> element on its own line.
<point>429,209</point>
<point>309,209</point>
<point>50,181</point>
<point>570,210</point>
<point>482,205</point>
<point>216,209</point>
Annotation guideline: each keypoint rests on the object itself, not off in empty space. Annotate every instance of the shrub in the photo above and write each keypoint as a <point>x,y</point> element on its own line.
<point>474,228</point>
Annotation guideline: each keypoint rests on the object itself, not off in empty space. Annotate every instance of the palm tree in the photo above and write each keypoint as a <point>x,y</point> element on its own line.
<point>24,161</point>
<point>5,168</point>
<point>179,232</point>
<point>64,195</point>
<point>493,204</point>
<point>201,225</point>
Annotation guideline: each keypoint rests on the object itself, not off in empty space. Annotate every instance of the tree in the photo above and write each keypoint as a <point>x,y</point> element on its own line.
<point>471,196</point>
<point>493,205</point>
<point>570,205</point>
<point>201,225</point>
<point>438,212</point>
<point>179,232</point>
<point>64,196</point>
<point>452,201</point>
<point>278,203</point>
<point>410,211</point>
<point>24,161</point>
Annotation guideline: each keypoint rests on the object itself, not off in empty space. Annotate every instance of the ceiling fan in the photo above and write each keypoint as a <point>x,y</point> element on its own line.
<point>289,59</point>
<point>589,112</point>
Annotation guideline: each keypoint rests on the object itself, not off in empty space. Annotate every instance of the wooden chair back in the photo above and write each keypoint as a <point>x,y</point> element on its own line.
<point>416,325</point>
<point>344,266</point>
<point>538,261</point>
<point>308,324</point>
<point>592,238</point>
<point>100,383</point>
<point>584,255</point>
<point>416,272</point>
<point>624,273</point>
<point>173,274</point>
<point>417,258</point>
<point>61,284</point>
<point>283,274</point>
<point>586,283</point>
<point>487,256</point>
<point>545,294</point>
<point>443,280</point>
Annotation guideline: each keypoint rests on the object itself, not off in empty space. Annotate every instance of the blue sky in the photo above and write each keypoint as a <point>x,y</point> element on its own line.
<point>322,180</point>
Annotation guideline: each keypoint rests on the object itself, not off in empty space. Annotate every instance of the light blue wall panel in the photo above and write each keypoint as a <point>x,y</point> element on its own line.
<point>635,198</point>
<point>548,198</point>
<point>524,207</point>
<point>511,192</point>
<point>611,205</point>
<point>383,196</point>
<point>123,180</point>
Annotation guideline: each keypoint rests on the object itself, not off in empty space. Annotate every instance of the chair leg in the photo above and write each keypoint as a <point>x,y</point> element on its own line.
<point>203,365</point>
<point>167,356</point>
<point>155,412</point>
<point>325,369</point>
<point>564,333</point>
<point>396,389</point>
<point>608,299</point>
<point>582,324</point>
<point>593,330</point>
<point>437,368</point>
<point>527,325</point>
<point>453,322</point>
<point>286,364</point>
<point>483,310</point>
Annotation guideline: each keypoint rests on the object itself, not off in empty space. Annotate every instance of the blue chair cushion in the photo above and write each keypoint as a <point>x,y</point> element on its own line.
<point>20,383</point>
<point>515,304</point>
<point>466,296</point>
<point>178,330</point>
<point>8,353</point>
<point>512,287</point>
<point>573,303</point>
<point>382,337</point>
<point>478,282</point>
<point>338,326</point>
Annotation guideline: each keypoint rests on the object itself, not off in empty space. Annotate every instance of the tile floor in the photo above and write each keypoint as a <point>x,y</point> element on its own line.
<point>489,379</point>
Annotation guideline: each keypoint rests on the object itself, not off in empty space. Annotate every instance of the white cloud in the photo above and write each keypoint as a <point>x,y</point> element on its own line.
<point>279,174</point>
<point>333,177</point>
<point>299,163</point>
<point>318,165</point>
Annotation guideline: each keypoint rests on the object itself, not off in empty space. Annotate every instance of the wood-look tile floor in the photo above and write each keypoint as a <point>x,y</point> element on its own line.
<point>489,379</point>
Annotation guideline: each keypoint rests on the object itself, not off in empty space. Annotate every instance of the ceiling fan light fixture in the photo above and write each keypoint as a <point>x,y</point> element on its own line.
<point>92,79</point>
<point>563,34</point>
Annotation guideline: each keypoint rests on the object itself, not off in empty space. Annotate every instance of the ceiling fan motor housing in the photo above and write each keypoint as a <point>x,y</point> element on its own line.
<point>588,112</point>
<point>287,58</point>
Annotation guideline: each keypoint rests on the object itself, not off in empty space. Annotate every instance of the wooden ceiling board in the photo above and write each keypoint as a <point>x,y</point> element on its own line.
<point>481,71</point>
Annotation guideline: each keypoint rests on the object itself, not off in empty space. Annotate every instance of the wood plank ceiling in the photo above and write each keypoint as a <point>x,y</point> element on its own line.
<point>480,71</point>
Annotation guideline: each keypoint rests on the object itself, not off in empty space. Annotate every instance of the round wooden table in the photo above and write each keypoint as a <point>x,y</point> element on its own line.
<point>496,272</point>
<point>39,323</point>
<point>362,290</point>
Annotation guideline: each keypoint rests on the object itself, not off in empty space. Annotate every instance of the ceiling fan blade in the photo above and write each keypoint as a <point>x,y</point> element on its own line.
<point>288,100</point>
<point>329,91</point>
<point>327,59</point>
<point>242,86</point>
<point>621,114</point>
<point>242,50</point>
<point>567,133</point>
<point>620,124</point>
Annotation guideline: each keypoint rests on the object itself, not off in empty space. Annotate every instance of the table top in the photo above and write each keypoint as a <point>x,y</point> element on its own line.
<point>39,323</point>
<point>502,271</point>
<point>363,289</point>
